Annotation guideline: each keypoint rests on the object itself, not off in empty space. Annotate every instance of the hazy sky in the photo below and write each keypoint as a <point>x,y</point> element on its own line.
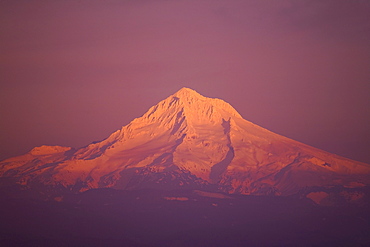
<point>72,72</point>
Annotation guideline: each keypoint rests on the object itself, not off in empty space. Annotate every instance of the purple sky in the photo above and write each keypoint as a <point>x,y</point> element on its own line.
<point>72,72</point>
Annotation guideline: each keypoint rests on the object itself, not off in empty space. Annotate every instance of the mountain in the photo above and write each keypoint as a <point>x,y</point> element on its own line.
<point>189,141</point>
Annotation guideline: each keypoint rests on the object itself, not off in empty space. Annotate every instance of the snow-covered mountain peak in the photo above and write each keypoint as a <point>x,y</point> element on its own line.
<point>191,98</point>
<point>188,141</point>
<point>187,93</point>
<point>192,105</point>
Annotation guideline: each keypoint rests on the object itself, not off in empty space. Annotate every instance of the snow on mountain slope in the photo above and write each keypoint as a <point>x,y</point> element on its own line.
<point>189,141</point>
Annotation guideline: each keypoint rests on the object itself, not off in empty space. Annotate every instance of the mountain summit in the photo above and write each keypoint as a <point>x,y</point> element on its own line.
<point>193,142</point>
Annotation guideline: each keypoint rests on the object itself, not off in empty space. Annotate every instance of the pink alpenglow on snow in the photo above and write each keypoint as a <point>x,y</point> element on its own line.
<point>189,141</point>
